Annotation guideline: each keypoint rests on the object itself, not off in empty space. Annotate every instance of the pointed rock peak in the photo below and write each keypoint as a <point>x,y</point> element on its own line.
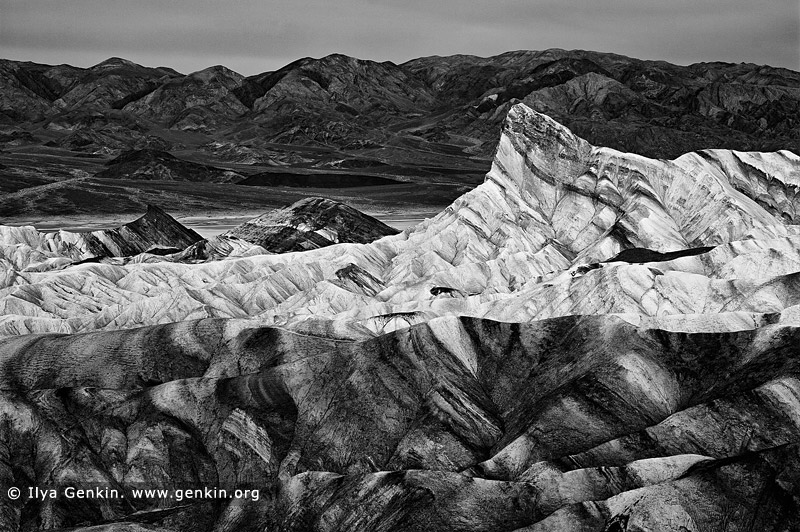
<point>524,122</point>
<point>534,143</point>
<point>155,231</point>
<point>320,212</point>
<point>157,226</point>
<point>154,211</point>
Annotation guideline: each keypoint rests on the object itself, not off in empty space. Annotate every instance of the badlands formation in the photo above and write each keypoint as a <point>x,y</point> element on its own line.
<point>590,340</point>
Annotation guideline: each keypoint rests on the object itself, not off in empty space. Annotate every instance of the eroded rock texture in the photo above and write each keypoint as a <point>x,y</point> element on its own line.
<point>24,249</point>
<point>590,340</point>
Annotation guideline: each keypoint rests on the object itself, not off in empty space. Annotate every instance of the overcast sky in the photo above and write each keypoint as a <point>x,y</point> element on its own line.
<point>253,36</point>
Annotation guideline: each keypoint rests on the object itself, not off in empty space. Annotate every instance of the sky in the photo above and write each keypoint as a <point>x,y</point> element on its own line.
<point>254,36</point>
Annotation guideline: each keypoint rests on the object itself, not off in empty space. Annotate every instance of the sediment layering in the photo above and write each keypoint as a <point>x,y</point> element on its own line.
<point>589,340</point>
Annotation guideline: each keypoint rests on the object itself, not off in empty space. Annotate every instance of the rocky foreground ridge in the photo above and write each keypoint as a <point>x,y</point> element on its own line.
<point>589,340</point>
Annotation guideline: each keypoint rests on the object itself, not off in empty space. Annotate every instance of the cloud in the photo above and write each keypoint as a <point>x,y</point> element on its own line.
<point>257,35</point>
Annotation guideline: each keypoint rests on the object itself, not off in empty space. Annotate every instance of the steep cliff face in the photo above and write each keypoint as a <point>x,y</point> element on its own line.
<point>589,340</point>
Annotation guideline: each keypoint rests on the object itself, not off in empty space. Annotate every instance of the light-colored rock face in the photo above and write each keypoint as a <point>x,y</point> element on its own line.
<point>527,244</point>
<point>501,366</point>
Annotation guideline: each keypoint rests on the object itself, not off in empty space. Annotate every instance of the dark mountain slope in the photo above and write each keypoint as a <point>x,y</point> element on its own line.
<point>34,90</point>
<point>150,165</point>
<point>649,107</point>
<point>336,99</point>
<point>199,101</point>
<point>112,83</point>
<point>403,424</point>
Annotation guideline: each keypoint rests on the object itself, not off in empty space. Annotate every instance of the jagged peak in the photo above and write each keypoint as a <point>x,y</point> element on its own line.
<point>158,219</point>
<point>519,113</point>
<point>596,201</point>
<point>549,149</point>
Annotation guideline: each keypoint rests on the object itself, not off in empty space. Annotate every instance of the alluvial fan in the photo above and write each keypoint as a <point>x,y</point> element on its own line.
<point>590,340</point>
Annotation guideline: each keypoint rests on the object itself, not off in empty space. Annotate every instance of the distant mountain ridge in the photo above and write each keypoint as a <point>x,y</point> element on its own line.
<point>653,108</point>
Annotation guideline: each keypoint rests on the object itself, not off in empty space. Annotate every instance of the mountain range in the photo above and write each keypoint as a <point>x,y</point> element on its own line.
<point>589,340</point>
<point>433,122</point>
